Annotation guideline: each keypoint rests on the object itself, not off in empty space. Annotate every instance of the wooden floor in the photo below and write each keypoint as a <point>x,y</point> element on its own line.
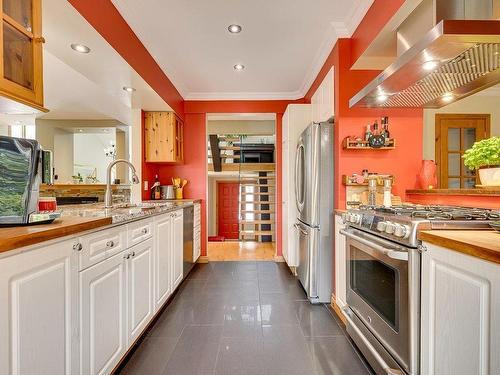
<point>240,251</point>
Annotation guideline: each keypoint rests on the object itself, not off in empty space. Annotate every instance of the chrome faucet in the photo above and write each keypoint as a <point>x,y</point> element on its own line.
<point>108,198</point>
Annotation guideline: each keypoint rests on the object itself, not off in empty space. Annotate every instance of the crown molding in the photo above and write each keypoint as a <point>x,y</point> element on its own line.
<point>291,95</point>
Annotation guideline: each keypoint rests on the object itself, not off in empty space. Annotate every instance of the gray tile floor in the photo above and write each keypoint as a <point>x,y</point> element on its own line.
<point>244,318</point>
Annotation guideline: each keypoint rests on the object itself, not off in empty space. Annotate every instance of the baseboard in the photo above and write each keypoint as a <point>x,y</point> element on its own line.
<point>279,259</point>
<point>337,310</point>
<point>203,259</point>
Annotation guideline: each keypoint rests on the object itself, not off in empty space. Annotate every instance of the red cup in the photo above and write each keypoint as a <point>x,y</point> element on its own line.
<point>47,204</point>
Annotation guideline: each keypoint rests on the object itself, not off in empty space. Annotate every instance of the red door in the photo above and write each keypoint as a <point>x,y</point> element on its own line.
<point>228,200</point>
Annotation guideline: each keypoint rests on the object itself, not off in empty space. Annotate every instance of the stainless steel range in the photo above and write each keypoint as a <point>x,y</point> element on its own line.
<point>383,277</point>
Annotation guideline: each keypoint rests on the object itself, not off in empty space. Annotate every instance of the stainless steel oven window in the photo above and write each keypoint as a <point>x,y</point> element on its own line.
<point>377,283</point>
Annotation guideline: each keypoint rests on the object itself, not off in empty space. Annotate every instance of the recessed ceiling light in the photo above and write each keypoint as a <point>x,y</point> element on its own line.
<point>80,48</point>
<point>80,130</point>
<point>128,89</point>
<point>382,98</point>
<point>239,67</point>
<point>447,97</point>
<point>430,65</point>
<point>234,29</point>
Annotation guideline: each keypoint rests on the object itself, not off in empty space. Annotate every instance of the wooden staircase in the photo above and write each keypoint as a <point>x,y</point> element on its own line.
<point>257,202</point>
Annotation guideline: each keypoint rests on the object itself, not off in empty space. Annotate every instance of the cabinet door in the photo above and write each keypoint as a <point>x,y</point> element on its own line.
<point>103,315</point>
<point>327,94</point>
<point>150,131</point>
<point>21,60</point>
<point>460,314</point>
<point>340,263</point>
<point>316,104</point>
<point>178,248</point>
<point>179,139</point>
<point>162,259</point>
<point>38,311</point>
<point>101,245</point>
<point>140,288</point>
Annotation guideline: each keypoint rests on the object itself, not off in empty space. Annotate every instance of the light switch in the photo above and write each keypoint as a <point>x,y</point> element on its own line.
<point>146,185</point>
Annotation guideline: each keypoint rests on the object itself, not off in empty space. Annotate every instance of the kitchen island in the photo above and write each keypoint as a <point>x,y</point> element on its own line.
<point>77,294</point>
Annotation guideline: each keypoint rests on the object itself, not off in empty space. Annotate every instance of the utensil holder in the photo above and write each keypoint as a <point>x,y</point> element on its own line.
<point>179,193</point>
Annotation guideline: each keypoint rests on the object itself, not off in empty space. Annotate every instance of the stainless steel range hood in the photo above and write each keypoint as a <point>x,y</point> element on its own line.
<point>452,60</point>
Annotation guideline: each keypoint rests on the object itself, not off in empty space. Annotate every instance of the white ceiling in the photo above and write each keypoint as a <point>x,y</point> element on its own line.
<point>87,86</point>
<point>283,44</point>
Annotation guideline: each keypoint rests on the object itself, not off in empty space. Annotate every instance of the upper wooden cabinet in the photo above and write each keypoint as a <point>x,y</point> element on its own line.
<point>322,101</point>
<point>21,67</point>
<point>163,133</point>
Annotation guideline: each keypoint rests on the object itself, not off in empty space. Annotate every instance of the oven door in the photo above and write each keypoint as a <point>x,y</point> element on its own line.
<point>378,290</point>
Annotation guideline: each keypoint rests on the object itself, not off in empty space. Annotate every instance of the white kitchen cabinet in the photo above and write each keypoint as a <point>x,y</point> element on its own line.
<point>162,259</point>
<point>322,101</point>
<point>139,288</point>
<point>340,264</point>
<point>39,311</point>
<point>177,248</point>
<point>460,314</point>
<point>103,315</point>
<point>100,245</point>
<point>295,119</point>
<point>197,232</point>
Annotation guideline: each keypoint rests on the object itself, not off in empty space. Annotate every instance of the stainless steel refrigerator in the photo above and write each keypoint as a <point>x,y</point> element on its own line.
<point>314,199</point>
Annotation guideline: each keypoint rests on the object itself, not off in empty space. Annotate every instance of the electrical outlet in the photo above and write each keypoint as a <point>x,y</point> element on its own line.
<point>146,186</point>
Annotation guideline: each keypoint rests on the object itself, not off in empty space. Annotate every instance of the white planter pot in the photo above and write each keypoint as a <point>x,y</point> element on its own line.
<point>490,176</point>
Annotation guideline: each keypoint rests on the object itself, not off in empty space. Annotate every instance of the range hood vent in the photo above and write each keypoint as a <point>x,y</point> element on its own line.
<point>455,59</point>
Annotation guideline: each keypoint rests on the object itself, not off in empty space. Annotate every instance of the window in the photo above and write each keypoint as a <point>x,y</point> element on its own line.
<point>456,133</point>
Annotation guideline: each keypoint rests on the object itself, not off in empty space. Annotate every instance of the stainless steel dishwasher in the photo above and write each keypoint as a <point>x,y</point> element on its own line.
<point>188,239</point>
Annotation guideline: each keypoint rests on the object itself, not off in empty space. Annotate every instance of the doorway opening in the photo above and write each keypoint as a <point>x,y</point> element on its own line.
<point>241,187</point>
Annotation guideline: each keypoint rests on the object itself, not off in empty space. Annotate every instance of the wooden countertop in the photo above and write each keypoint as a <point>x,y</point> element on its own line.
<point>16,237</point>
<point>484,244</point>
<point>486,191</point>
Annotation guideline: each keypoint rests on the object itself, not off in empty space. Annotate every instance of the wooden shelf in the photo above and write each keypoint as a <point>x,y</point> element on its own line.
<point>379,183</point>
<point>349,144</point>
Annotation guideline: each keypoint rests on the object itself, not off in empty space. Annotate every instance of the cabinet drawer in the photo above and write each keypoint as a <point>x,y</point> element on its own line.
<point>139,231</point>
<point>101,245</point>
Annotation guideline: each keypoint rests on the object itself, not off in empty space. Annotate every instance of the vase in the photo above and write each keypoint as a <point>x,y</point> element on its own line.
<point>427,177</point>
<point>490,176</point>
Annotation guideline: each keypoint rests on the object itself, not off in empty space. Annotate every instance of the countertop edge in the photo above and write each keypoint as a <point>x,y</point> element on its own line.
<point>493,192</point>
<point>460,246</point>
<point>23,240</point>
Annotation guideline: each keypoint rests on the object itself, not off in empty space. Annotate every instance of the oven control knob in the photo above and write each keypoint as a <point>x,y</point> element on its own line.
<point>381,226</point>
<point>402,231</point>
<point>390,227</point>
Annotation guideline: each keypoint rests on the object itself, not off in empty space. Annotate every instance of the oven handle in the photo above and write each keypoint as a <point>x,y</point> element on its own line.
<point>369,346</point>
<point>394,254</point>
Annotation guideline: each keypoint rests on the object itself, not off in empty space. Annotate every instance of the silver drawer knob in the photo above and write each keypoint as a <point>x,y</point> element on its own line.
<point>110,244</point>
<point>77,246</point>
<point>145,231</point>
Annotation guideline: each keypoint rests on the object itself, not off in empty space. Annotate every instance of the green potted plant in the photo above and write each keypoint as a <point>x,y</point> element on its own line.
<point>485,156</point>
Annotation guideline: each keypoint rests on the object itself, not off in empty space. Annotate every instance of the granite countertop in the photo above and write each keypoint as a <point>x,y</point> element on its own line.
<point>83,217</point>
<point>484,244</point>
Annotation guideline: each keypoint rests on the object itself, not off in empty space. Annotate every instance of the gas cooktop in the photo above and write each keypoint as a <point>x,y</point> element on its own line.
<point>402,223</point>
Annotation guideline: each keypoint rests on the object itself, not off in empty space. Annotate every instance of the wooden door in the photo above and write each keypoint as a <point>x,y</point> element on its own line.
<point>103,313</point>
<point>140,288</point>
<point>163,259</point>
<point>177,248</point>
<point>456,133</point>
<point>39,311</point>
<point>228,194</point>
<point>21,62</point>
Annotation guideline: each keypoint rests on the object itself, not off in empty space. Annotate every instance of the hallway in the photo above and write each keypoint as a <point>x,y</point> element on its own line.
<point>240,251</point>
<point>244,318</point>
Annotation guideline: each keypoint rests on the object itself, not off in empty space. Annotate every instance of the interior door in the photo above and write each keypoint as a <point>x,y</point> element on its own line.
<point>456,133</point>
<point>228,195</point>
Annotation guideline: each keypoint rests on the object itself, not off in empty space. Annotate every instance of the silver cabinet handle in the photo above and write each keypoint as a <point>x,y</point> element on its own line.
<point>110,244</point>
<point>145,230</point>
<point>77,246</point>
<point>133,253</point>
<point>378,358</point>
<point>126,256</point>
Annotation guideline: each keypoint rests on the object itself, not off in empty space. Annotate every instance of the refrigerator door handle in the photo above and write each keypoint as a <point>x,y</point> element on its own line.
<point>299,193</point>
<point>300,229</point>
